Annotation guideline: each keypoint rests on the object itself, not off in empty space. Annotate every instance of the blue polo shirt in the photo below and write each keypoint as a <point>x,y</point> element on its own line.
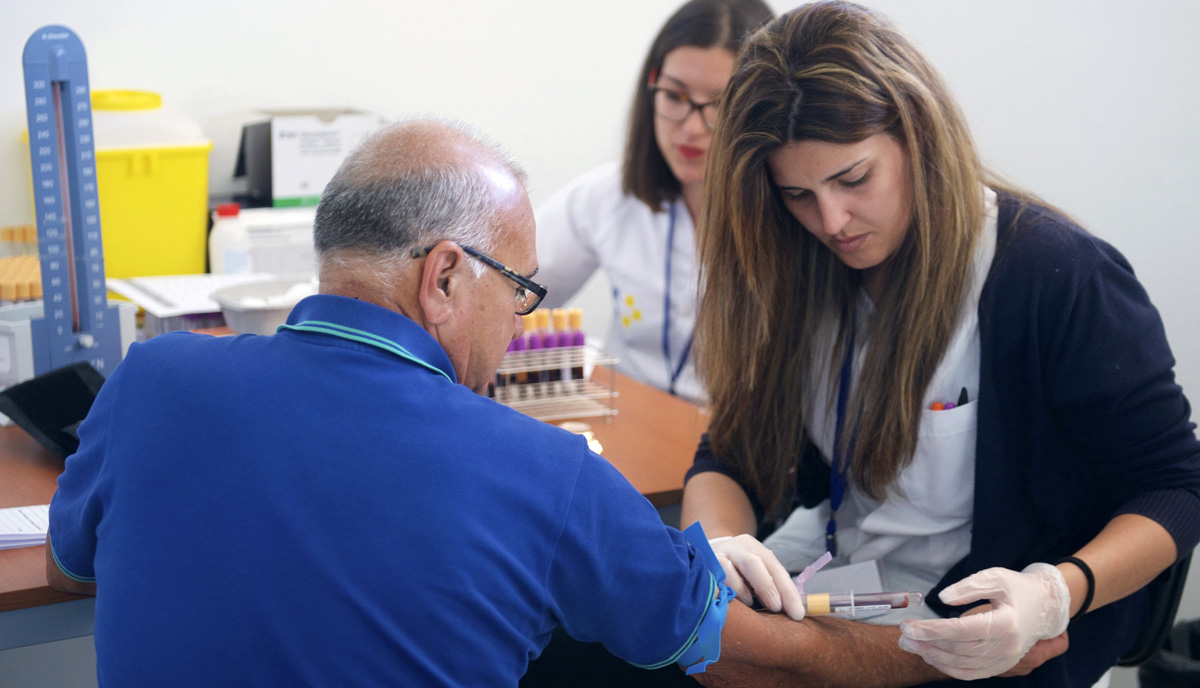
<point>327,506</point>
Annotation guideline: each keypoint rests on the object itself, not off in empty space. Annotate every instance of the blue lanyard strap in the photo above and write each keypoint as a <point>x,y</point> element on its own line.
<point>363,337</point>
<point>837,474</point>
<point>673,372</point>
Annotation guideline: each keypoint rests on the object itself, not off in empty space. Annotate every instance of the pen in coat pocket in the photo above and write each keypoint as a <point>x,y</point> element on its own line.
<point>939,406</point>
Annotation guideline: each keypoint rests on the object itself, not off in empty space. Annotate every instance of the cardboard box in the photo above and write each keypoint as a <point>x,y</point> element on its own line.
<point>291,155</point>
<point>281,240</point>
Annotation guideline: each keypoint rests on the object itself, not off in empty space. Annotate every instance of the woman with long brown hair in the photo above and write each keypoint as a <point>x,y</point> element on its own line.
<point>913,365</point>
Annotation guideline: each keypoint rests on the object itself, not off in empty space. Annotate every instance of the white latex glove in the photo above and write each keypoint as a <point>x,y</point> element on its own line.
<point>1026,607</point>
<point>753,571</point>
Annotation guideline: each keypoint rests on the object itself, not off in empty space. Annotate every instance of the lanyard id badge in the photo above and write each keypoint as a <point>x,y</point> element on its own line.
<point>837,472</point>
<point>675,370</point>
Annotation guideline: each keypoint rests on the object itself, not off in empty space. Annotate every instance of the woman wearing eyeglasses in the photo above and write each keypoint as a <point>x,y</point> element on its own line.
<point>635,220</point>
<point>925,373</point>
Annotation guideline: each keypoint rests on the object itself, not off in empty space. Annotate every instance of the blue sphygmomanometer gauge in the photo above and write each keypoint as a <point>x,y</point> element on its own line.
<point>77,324</point>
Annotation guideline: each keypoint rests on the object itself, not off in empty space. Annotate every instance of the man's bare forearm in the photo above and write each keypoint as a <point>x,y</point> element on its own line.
<point>772,651</point>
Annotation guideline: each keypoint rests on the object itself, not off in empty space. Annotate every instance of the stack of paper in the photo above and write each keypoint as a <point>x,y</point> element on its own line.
<point>166,296</point>
<point>24,526</point>
<point>179,302</point>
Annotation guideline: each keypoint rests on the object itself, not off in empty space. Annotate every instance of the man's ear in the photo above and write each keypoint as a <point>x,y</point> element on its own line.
<point>442,285</point>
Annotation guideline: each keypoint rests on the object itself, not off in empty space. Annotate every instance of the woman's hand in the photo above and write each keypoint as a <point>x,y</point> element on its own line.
<point>753,571</point>
<point>1027,607</point>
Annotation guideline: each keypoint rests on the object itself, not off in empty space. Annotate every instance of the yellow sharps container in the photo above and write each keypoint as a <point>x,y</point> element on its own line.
<point>152,175</point>
<point>152,178</point>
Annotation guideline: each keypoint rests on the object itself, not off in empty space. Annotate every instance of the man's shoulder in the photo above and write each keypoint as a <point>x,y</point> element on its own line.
<point>180,360</point>
<point>176,345</point>
<point>508,426</point>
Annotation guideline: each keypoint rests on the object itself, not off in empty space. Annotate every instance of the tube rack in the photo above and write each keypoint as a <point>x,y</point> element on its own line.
<point>553,384</point>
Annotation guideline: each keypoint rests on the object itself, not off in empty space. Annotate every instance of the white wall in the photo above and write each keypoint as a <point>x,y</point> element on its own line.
<point>1090,103</point>
<point>1087,102</point>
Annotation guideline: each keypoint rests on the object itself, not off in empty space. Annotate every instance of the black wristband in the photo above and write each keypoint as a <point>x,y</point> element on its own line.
<point>1091,582</point>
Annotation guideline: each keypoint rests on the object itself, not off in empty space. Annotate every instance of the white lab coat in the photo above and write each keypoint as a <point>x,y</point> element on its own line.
<point>923,525</point>
<point>591,224</point>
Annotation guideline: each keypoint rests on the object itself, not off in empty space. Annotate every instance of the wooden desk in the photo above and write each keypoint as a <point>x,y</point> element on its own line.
<point>651,441</point>
<point>28,473</point>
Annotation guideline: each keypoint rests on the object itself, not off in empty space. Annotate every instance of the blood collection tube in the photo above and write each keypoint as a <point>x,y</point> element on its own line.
<point>852,604</point>
<point>520,379</point>
<point>578,339</point>
<point>501,382</point>
<point>542,318</point>
<point>558,339</point>
<point>537,340</point>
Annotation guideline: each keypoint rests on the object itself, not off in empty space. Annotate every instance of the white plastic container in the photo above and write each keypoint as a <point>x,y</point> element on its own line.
<point>229,242</point>
<point>260,307</point>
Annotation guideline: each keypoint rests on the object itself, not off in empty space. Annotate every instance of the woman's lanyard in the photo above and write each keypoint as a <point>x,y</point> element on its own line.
<point>673,371</point>
<point>837,473</point>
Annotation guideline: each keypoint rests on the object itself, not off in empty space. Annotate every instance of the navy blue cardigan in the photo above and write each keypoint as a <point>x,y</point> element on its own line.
<point>1080,420</point>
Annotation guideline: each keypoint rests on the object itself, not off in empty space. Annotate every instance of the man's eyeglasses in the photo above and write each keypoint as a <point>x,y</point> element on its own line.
<point>529,293</point>
<point>677,107</point>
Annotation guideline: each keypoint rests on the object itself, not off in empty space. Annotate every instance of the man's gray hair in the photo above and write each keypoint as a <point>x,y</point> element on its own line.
<point>391,196</point>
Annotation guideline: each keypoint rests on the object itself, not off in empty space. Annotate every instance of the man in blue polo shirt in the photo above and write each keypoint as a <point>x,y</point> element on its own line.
<point>337,504</point>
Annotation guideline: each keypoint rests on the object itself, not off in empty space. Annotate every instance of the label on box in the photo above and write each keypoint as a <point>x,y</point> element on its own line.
<point>281,240</point>
<point>306,151</point>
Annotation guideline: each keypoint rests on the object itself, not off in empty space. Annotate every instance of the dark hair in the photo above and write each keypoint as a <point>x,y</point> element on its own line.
<point>836,72</point>
<point>699,23</point>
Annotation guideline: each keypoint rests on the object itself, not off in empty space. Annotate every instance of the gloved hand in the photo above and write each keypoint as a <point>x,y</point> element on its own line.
<point>1026,607</point>
<point>753,571</point>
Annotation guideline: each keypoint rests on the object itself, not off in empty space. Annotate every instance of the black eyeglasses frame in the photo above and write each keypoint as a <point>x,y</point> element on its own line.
<point>693,106</point>
<point>531,287</point>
